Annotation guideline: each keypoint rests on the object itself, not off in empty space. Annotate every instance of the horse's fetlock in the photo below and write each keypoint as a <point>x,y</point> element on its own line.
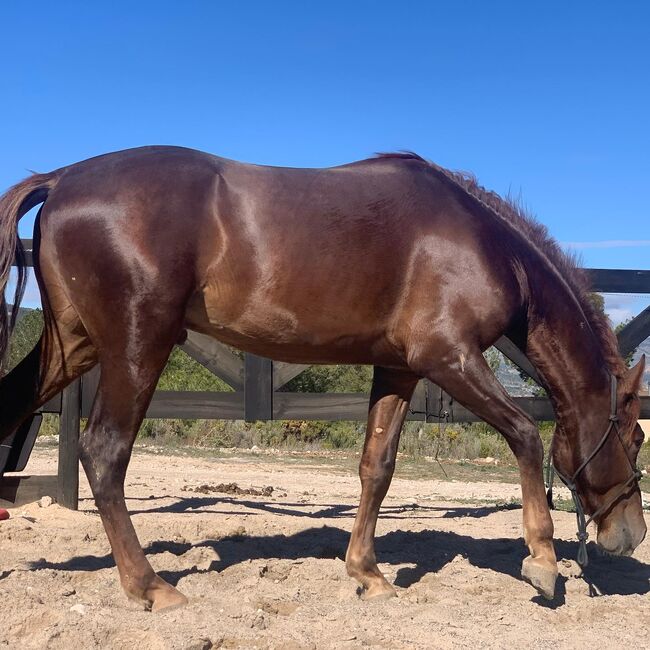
<point>107,495</point>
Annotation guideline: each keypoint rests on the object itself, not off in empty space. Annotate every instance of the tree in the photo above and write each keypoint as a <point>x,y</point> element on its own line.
<point>25,336</point>
<point>597,300</point>
<point>332,379</point>
<point>494,358</point>
<point>617,329</point>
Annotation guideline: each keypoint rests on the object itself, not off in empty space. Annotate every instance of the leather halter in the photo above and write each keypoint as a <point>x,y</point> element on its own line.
<point>634,478</point>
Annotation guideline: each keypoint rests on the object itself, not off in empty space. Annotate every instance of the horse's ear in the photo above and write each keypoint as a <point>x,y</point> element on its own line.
<point>631,381</point>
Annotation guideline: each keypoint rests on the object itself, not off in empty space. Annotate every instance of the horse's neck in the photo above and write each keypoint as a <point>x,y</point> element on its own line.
<point>567,354</point>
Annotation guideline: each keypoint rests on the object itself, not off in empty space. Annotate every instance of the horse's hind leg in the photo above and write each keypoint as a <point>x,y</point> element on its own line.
<point>463,372</point>
<point>129,374</point>
<point>389,401</point>
<point>131,298</point>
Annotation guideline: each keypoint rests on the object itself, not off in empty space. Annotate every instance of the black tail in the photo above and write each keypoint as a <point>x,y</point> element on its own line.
<point>19,200</point>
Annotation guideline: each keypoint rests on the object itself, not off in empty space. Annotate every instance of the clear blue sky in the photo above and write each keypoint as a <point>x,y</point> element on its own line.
<point>547,99</point>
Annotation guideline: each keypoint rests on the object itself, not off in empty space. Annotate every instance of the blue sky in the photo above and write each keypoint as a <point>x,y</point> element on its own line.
<point>544,99</point>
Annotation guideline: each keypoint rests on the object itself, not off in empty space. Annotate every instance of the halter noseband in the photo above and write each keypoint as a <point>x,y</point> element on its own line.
<point>635,477</point>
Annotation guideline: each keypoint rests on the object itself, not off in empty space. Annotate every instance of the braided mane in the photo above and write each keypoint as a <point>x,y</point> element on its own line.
<point>566,264</point>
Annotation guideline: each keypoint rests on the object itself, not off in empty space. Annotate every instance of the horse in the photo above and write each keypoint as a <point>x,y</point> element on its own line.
<point>392,261</point>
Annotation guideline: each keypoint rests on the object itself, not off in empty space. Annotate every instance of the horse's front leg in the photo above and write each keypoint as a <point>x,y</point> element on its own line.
<point>463,372</point>
<point>123,395</point>
<point>389,401</point>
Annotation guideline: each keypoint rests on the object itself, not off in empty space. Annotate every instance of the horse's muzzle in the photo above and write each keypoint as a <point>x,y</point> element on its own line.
<point>623,530</point>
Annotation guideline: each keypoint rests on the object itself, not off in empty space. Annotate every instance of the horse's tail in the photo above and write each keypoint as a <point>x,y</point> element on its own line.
<point>19,200</point>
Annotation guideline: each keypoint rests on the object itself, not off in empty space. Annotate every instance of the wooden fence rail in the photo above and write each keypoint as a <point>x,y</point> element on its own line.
<point>255,384</point>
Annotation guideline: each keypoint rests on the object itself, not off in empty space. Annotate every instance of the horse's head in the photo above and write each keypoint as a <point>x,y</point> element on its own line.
<point>604,473</point>
<point>621,527</point>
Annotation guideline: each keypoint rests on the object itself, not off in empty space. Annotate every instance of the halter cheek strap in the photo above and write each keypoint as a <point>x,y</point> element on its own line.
<point>634,478</point>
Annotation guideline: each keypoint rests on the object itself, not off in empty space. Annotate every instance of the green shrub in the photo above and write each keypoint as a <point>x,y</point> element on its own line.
<point>331,379</point>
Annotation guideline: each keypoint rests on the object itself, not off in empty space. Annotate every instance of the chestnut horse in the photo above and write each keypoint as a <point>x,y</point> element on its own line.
<point>391,261</point>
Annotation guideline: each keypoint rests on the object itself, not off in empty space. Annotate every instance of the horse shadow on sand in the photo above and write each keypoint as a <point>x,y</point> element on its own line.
<point>207,505</point>
<point>427,551</point>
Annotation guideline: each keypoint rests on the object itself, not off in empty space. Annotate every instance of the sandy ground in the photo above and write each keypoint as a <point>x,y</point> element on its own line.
<point>267,571</point>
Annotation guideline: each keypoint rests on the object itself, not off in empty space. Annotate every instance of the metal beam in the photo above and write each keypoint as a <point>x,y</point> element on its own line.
<point>216,357</point>
<point>510,350</point>
<point>619,280</point>
<point>283,373</point>
<point>634,333</point>
<point>196,405</point>
<point>602,280</point>
<point>354,406</point>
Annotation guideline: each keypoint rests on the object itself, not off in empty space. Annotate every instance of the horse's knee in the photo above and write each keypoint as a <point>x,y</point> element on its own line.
<point>526,443</point>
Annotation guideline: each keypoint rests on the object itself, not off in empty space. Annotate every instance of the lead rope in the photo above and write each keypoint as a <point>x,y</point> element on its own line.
<point>582,557</point>
<point>583,554</point>
<point>550,477</point>
<point>582,535</point>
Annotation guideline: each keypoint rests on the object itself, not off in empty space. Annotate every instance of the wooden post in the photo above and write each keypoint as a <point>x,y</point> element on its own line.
<point>258,388</point>
<point>68,474</point>
<point>89,385</point>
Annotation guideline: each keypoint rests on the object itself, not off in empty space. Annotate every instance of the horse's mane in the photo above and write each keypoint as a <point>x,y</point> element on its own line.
<point>566,264</point>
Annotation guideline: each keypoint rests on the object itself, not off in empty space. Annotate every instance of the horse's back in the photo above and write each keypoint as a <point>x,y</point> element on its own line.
<point>296,263</point>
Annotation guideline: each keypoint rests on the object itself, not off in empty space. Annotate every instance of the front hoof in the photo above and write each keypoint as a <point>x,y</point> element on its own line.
<point>168,600</point>
<point>541,574</point>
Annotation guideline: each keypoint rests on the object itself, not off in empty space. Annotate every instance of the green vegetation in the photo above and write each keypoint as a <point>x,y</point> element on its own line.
<point>332,379</point>
<point>183,373</point>
<point>25,336</point>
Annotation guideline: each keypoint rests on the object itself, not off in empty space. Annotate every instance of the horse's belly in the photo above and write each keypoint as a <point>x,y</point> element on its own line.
<point>257,324</point>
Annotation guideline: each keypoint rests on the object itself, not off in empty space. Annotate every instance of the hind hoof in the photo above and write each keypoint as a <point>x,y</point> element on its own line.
<point>378,592</point>
<point>541,575</point>
<point>158,596</point>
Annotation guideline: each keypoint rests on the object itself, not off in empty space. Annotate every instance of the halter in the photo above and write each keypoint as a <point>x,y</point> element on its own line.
<point>634,478</point>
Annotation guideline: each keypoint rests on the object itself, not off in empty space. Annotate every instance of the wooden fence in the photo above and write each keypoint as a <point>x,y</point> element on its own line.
<point>255,383</point>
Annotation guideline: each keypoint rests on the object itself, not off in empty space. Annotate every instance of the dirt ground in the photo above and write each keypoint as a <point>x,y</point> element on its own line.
<point>264,569</point>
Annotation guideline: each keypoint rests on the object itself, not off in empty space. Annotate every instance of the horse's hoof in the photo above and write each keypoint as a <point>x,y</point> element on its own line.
<point>541,574</point>
<point>157,596</point>
<point>168,599</point>
<point>378,592</point>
